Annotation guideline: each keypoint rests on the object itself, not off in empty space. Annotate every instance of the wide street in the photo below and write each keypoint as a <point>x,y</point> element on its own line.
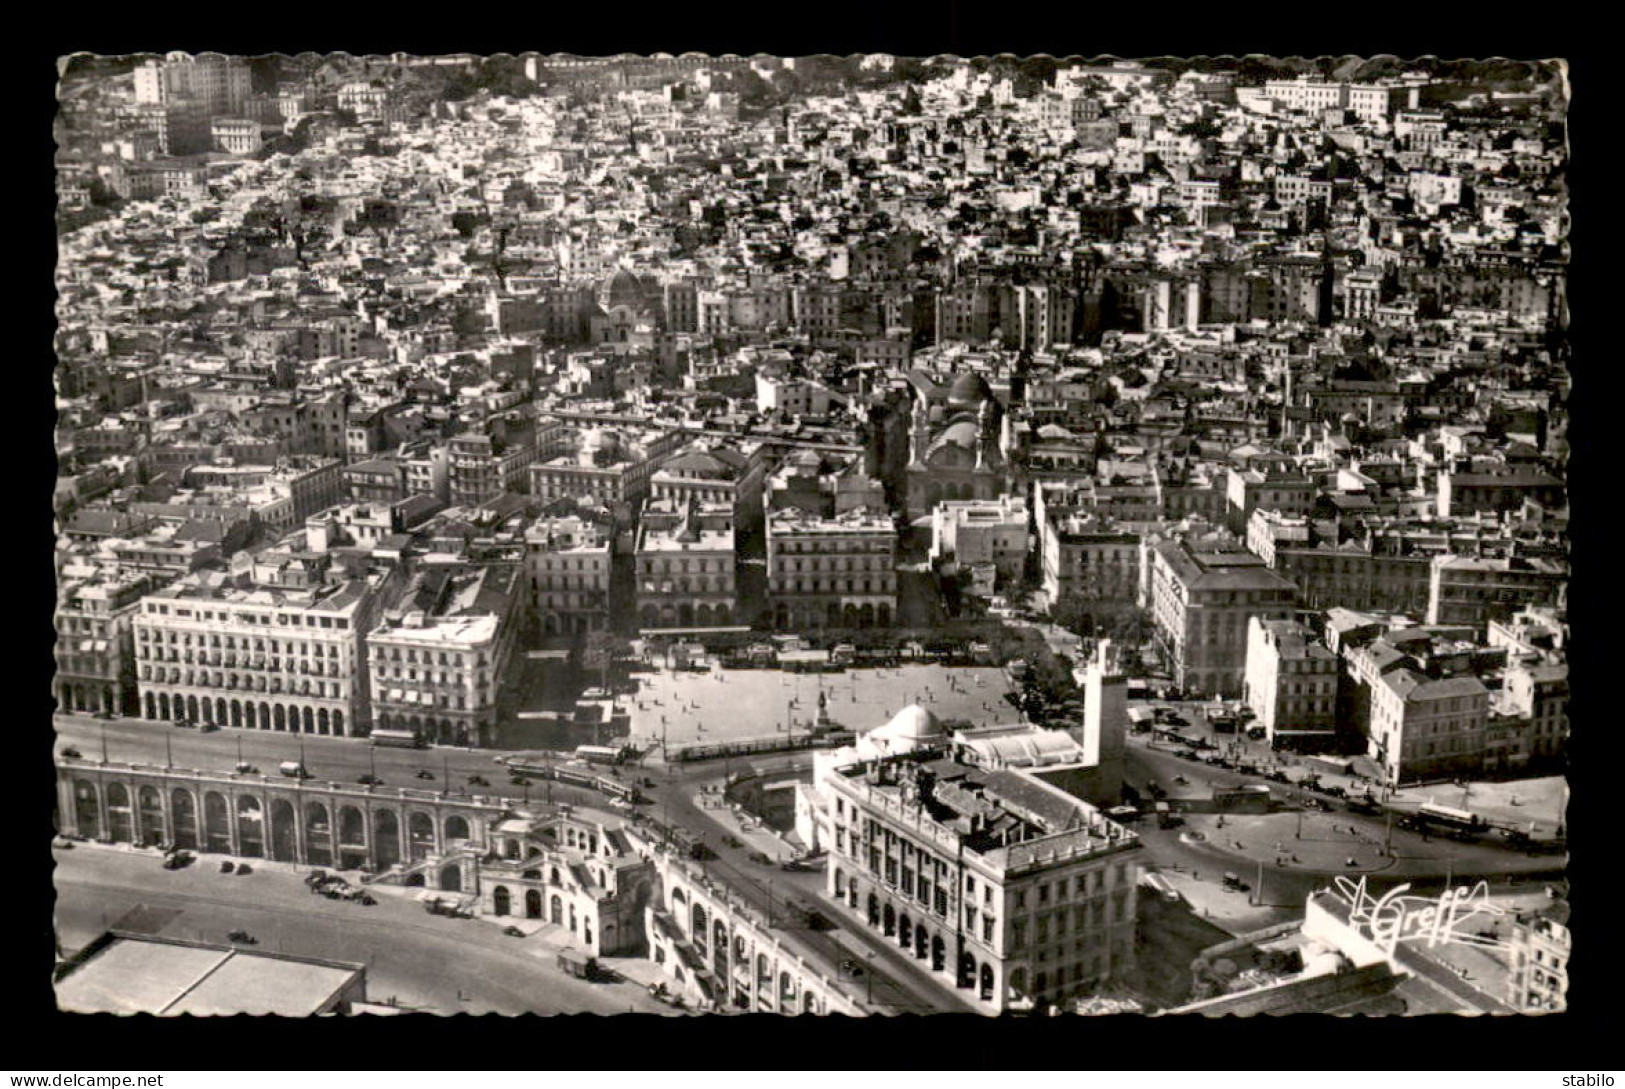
<point>422,961</point>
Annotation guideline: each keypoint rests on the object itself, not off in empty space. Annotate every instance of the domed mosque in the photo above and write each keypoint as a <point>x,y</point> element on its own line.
<point>911,728</point>
<point>954,449</point>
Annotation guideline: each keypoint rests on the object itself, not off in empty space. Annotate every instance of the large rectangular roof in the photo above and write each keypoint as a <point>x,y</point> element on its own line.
<point>142,975</point>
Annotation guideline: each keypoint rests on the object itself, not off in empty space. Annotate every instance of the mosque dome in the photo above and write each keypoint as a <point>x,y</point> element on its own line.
<point>969,389</point>
<point>912,723</point>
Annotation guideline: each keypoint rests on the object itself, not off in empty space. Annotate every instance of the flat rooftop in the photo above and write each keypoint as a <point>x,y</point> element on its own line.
<point>139,975</point>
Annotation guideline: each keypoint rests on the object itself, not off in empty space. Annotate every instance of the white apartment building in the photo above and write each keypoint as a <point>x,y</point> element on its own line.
<point>258,652</point>
<point>568,561</point>
<point>838,572</point>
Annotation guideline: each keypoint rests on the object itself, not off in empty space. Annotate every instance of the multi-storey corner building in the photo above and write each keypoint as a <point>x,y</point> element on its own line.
<point>268,649</point>
<point>685,565</point>
<point>1201,603</point>
<point>1010,888</point>
<point>95,638</point>
<point>568,560</point>
<point>438,655</point>
<point>1290,684</point>
<point>838,572</point>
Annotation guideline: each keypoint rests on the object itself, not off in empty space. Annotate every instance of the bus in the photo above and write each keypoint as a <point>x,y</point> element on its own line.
<point>598,754</point>
<point>397,739</point>
<point>1453,821</point>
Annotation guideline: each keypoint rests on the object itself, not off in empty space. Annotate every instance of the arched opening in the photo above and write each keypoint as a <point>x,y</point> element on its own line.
<point>500,900</point>
<point>420,834</point>
<point>151,815</point>
<point>284,831</point>
<point>250,827</point>
<point>456,827</point>
<point>966,977</point>
<point>310,720</point>
<point>698,930</point>
<point>120,820</point>
<point>279,718</point>
<point>216,823</point>
<point>265,716</point>
<point>191,708</point>
<point>318,835</point>
<point>905,931</point>
<point>1017,986</point>
<point>352,838</point>
<point>386,834</point>
<point>338,723</point>
<point>883,615</point>
<point>150,702</point>
<point>920,950</point>
<point>685,615</point>
<point>849,616</point>
<point>415,881</point>
<point>451,878</point>
<point>321,721</point>
<point>809,1003</point>
<point>87,810</point>
<point>986,988</point>
<point>1040,984</point>
<point>888,921</point>
<point>939,954</point>
<point>874,910</point>
<point>206,710</point>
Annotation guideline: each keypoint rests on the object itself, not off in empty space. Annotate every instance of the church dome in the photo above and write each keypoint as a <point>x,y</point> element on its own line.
<point>970,389</point>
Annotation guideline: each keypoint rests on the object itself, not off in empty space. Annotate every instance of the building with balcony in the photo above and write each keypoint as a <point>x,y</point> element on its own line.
<point>276,646</point>
<point>568,561</point>
<point>835,572</point>
<point>1290,684</point>
<point>437,657</point>
<point>95,638</point>
<point>685,566</point>
<point>993,879</point>
<point>1201,602</point>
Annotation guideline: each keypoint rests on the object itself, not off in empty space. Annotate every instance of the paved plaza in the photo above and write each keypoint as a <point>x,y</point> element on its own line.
<point>735,704</point>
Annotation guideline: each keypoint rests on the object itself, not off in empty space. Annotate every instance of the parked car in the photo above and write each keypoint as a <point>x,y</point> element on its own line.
<point>366,899</point>
<point>513,932</point>
<point>1180,780</point>
<point>247,769</point>
<point>242,937</point>
<point>227,867</point>
<point>478,781</point>
<point>424,773</point>
<point>517,780</point>
<point>369,780</point>
<point>105,716</point>
<point>1234,883</point>
<point>184,724</point>
<point>71,753</point>
<point>208,728</point>
<point>244,868</point>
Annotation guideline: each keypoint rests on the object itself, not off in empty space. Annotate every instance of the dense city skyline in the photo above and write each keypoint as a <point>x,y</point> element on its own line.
<point>812,535</point>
